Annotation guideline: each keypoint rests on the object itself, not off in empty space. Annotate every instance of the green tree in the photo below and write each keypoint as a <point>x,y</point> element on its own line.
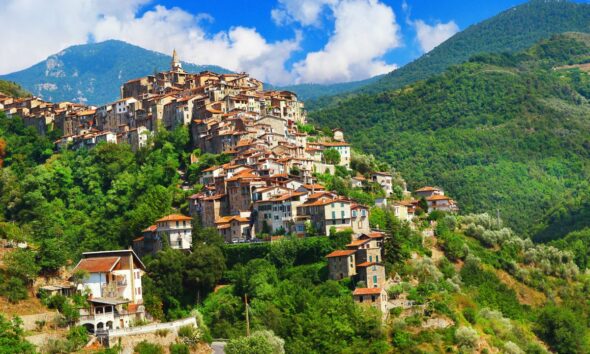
<point>561,329</point>
<point>12,337</point>
<point>21,263</point>
<point>331,156</point>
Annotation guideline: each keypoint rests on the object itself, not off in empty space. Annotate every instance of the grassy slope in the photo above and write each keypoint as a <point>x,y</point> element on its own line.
<point>504,132</point>
<point>12,89</point>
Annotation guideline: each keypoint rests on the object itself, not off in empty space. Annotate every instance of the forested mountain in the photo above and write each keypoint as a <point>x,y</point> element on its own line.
<point>93,73</point>
<point>512,30</point>
<point>12,89</point>
<point>503,131</point>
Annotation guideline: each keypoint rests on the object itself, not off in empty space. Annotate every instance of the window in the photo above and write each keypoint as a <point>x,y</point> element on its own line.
<point>333,215</point>
<point>354,213</point>
<point>376,258</point>
<point>342,215</point>
<point>370,258</point>
<point>177,224</point>
<point>372,298</point>
<point>374,280</point>
<point>361,298</point>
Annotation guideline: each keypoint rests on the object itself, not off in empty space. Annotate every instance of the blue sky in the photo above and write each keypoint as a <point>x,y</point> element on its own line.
<point>257,14</point>
<point>278,41</point>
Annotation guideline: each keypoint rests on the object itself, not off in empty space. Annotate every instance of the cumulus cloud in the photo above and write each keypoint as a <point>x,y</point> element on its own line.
<point>365,30</point>
<point>31,30</point>
<point>62,23</point>
<point>431,36</point>
<point>306,12</point>
<point>239,48</point>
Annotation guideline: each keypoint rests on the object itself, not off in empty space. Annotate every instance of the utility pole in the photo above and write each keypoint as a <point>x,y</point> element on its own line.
<point>247,316</point>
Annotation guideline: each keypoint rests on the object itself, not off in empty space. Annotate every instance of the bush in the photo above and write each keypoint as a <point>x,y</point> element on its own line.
<point>146,347</point>
<point>14,290</point>
<point>179,348</point>
<point>466,338</point>
<point>162,332</point>
<point>189,335</point>
<point>562,330</point>
<point>260,342</point>
<point>78,337</point>
<point>469,314</point>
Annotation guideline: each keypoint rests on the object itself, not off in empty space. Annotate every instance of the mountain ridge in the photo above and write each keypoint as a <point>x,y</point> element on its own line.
<point>93,73</point>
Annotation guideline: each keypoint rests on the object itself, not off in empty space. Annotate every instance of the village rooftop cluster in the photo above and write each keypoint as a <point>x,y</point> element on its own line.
<point>267,188</point>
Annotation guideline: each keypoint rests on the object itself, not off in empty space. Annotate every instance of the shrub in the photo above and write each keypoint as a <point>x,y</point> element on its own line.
<point>146,347</point>
<point>77,337</point>
<point>512,348</point>
<point>402,340</point>
<point>189,335</point>
<point>260,342</point>
<point>14,290</point>
<point>162,332</point>
<point>466,338</point>
<point>469,314</point>
<point>561,329</point>
<point>179,348</point>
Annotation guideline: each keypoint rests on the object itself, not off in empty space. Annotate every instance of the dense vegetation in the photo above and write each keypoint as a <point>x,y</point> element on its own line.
<point>503,131</point>
<point>12,89</point>
<point>510,31</point>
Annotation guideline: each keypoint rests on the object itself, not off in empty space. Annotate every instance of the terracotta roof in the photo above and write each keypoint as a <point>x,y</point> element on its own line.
<point>98,264</point>
<point>174,217</point>
<point>215,197</point>
<point>367,291</point>
<point>341,253</point>
<point>428,189</point>
<point>438,197</point>
<point>228,219</point>
<point>150,229</point>
<point>140,238</point>
<point>335,144</point>
<point>314,186</point>
<point>322,202</point>
<point>357,243</point>
<point>243,174</point>
<point>212,168</point>
<point>366,264</point>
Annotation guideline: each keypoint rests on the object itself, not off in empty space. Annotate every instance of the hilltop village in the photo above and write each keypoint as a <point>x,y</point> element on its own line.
<point>268,187</point>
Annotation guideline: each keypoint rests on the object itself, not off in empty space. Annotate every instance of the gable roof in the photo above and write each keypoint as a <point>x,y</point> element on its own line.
<point>97,265</point>
<point>340,253</point>
<point>174,217</point>
<point>367,291</point>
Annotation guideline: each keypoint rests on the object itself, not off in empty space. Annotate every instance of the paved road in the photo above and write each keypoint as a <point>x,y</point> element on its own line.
<point>218,347</point>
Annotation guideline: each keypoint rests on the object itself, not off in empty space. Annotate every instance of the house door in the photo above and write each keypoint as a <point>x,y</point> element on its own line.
<point>121,323</point>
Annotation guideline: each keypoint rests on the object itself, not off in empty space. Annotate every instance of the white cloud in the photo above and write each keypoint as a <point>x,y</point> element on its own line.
<point>306,12</point>
<point>62,23</point>
<point>31,30</point>
<point>365,30</point>
<point>431,36</point>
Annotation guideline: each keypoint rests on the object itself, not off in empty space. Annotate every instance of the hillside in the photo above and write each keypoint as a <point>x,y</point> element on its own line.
<point>308,92</point>
<point>512,30</point>
<point>500,132</point>
<point>93,73</point>
<point>12,89</point>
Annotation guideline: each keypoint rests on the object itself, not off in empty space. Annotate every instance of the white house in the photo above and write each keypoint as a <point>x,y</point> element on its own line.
<point>113,286</point>
<point>176,229</point>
